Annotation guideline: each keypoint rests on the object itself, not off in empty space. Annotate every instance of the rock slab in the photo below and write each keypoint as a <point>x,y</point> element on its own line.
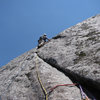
<point>76,51</point>
<point>71,56</point>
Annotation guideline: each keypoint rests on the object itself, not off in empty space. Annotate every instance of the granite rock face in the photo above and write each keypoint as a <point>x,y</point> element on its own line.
<point>19,81</point>
<point>76,51</point>
<point>73,56</point>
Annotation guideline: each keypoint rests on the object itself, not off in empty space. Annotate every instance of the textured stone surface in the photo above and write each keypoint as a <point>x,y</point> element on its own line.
<point>18,80</point>
<point>76,51</point>
<point>71,56</point>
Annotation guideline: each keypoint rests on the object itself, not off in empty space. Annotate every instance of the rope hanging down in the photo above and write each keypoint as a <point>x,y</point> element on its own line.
<point>43,88</point>
<point>83,95</point>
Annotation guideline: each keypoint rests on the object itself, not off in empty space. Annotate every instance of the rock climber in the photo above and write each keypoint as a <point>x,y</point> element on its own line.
<point>42,40</point>
<point>45,38</point>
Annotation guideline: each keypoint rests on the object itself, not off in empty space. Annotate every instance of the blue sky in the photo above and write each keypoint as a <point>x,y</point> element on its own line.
<point>23,21</point>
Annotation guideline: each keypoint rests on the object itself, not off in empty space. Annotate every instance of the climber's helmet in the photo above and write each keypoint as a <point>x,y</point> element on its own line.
<point>45,34</point>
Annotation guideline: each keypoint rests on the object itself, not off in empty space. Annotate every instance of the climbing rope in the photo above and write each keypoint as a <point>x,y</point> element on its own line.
<point>83,95</point>
<point>38,75</point>
<point>62,85</point>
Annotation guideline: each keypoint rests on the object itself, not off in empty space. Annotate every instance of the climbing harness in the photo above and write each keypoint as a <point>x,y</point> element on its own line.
<point>38,75</point>
<point>42,43</point>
